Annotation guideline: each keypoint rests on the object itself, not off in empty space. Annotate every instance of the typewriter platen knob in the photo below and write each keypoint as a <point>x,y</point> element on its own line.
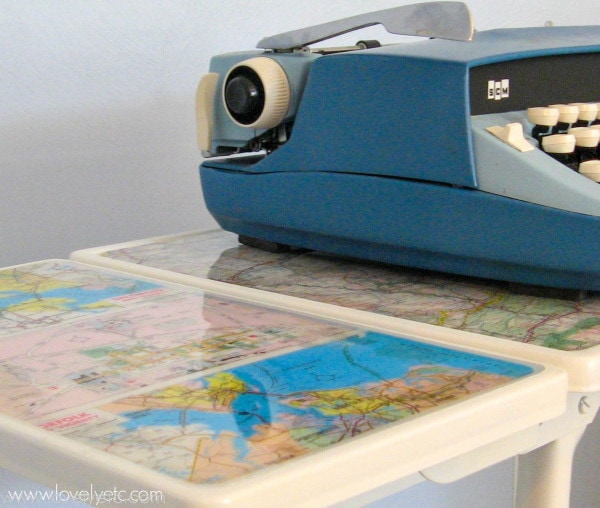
<point>244,96</point>
<point>256,93</point>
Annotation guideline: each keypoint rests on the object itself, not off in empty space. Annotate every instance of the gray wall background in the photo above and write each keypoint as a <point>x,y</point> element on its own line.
<point>97,137</point>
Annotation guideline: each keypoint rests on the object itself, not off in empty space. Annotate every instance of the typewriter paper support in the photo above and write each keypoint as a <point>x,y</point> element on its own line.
<point>445,20</point>
<point>387,153</point>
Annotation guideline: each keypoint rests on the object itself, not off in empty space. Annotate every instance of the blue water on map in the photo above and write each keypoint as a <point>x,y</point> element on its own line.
<point>357,362</point>
<point>373,357</point>
<point>75,297</point>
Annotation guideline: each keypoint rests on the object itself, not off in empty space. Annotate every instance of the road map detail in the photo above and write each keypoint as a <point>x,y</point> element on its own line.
<point>54,292</point>
<point>224,425</point>
<point>531,315</point>
<point>74,335</point>
<point>202,387</point>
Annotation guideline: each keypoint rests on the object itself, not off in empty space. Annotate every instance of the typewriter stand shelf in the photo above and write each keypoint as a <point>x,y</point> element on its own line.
<point>562,329</point>
<point>130,383</point>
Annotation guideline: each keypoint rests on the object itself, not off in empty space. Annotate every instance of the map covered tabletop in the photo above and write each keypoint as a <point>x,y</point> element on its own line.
<point>112,379</point>
<point>558,322</point>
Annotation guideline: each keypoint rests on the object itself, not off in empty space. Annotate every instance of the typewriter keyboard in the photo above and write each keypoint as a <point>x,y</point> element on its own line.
<point>570,133</point>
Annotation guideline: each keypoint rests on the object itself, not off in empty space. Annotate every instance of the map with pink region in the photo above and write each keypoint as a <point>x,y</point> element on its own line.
<point>207,388</point>
<point>145,334</point>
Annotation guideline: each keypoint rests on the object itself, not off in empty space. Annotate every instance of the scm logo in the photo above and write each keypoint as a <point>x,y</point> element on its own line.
<point>498,90</point>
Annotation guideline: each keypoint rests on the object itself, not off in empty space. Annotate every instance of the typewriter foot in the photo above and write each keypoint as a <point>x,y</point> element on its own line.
<point>265,245</point>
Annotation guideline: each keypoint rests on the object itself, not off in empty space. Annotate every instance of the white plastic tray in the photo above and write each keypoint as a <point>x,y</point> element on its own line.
<point>542,327</point>
<point>122,384</point>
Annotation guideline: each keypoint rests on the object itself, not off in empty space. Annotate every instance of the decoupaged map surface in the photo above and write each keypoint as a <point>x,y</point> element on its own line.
<point>531,315</point>
<point>206,388</point>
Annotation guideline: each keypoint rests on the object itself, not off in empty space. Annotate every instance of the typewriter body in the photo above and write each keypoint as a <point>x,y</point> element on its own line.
<point>466,152</point>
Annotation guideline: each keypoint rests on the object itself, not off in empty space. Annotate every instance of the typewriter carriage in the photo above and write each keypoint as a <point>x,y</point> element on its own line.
<point>248,101</point>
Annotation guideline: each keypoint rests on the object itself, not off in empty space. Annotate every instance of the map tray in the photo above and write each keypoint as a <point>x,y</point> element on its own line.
<point>560,328</point>
<point>114,384</point>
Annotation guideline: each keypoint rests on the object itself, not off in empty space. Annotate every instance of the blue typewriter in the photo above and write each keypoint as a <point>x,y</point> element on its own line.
<point>459,151</point>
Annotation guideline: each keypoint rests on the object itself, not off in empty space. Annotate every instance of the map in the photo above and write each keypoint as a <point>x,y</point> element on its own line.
<point>50,293</point>
<point>249,417</point>
<point>72,335</point>
<point>550,318</point>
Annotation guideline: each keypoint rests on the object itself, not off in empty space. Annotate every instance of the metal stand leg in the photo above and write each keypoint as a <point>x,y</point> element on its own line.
<point>543,477</point>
